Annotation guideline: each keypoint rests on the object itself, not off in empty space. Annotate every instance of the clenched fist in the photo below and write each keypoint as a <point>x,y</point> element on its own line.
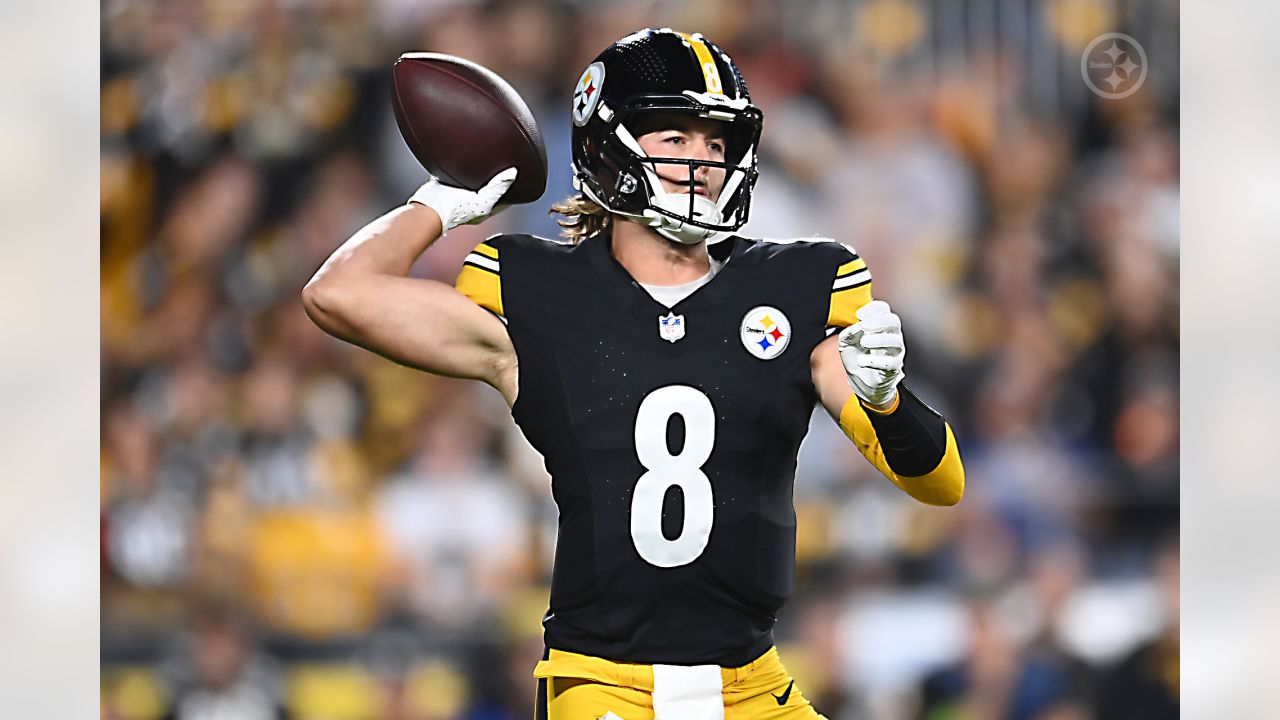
<point>872,351</point>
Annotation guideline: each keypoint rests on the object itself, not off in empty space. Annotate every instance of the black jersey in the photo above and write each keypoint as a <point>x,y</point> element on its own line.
<point>670,434</point>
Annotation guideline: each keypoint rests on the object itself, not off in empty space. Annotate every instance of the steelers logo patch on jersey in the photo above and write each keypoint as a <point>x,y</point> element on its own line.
<point>765,332</point>
<point>587,93</point>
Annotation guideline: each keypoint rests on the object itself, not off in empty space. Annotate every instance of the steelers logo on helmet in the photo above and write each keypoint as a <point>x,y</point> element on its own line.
<point>586,94</point>
<point>765,332</point>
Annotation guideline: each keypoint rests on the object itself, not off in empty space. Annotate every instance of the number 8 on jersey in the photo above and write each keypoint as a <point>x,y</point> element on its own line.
<point>664,470</point>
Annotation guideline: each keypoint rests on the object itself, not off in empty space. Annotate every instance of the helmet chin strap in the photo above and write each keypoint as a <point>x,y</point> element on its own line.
<point>679,231</point>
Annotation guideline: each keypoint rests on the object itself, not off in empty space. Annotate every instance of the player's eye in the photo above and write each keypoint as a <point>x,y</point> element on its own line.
<point>716,146</point>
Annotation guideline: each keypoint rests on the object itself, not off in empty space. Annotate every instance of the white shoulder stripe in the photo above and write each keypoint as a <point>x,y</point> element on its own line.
<point>788,241</point>
<point>857,278</point>
<point>482,261</point>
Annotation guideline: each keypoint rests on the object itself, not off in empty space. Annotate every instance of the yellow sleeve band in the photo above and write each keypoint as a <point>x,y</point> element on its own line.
<point>481,278</point>
<point>845,304</point>
<point>944,485</point>
<point>851,267</point>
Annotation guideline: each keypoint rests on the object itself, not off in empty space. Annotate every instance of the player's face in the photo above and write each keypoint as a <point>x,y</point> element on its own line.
<point>685,137</point>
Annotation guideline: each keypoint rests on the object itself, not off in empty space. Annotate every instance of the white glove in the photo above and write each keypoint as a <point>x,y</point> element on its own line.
<point>872,350</point>
<point>458,206</point>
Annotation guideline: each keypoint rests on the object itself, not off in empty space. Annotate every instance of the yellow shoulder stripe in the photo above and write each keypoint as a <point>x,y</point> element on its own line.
<point>851,267</point>
<point>845,305</point>
<point>483,286</point>
<point>487,250</point>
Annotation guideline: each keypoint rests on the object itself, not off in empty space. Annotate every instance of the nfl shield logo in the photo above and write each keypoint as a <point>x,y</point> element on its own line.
<point>671,327</point>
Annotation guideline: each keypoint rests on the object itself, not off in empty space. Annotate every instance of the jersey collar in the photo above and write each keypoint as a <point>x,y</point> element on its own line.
<point>626,290</point>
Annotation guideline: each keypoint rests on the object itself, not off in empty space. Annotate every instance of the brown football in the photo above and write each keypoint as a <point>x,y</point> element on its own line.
<point>465,124</point>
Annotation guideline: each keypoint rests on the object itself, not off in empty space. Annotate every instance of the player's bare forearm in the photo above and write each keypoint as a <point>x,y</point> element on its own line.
<point>910,445</point>
<point>389,245</point>
<point>344,288</point>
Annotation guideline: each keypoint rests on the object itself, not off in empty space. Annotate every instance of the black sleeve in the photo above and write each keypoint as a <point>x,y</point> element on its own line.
<point>913,437</point>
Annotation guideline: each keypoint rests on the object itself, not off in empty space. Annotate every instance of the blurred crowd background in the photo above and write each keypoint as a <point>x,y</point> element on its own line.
<point>292,526</point>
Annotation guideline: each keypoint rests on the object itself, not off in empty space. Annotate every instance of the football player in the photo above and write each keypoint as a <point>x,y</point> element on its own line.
<point>656,352</point>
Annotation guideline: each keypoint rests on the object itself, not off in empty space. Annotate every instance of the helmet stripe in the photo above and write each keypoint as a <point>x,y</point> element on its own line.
<point>710,72</point>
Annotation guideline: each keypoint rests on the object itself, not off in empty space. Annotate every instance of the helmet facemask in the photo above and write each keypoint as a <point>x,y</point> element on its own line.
<point>688,217</point>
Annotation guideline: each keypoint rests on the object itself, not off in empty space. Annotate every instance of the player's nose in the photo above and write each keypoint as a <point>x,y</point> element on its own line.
<point>702,152</point>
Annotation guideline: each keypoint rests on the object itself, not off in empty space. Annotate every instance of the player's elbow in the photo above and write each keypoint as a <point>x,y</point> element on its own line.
<point>943,487</point>
<point>322,300</point>
<point>947,490</point>
<point>949,495</point>
<point>937,497</point>
<point>944,484</point>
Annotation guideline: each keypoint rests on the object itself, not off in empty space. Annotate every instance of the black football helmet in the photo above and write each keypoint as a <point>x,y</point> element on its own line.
<point>660,70</point>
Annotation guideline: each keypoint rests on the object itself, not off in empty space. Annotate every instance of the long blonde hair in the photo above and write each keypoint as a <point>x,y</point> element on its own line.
<point>582,217</point>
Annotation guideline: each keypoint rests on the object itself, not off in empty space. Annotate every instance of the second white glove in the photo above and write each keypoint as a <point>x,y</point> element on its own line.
<point>458,206</point>
<point>872,351</point>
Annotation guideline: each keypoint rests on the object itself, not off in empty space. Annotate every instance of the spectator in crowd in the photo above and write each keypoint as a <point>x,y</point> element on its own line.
<point>1144,684</point>
<point>455,524</point>
<point>221,677</point>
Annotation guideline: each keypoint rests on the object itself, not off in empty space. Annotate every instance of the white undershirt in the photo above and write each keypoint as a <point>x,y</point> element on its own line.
<point>670,295</point>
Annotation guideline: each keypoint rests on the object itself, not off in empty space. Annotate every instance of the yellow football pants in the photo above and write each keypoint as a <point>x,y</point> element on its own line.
<point>581,687</point>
